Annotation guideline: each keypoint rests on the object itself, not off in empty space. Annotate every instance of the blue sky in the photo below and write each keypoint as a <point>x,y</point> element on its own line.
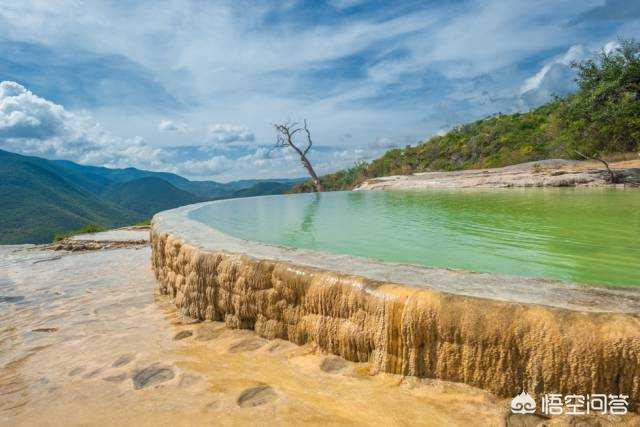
<point>193,87</point>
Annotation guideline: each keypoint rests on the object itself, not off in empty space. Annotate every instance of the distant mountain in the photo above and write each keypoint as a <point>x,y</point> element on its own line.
<point>40,198</point>
<point>37,200</point>
<point>148,195</point>
<point>120,175</point>
<point>263,188</point>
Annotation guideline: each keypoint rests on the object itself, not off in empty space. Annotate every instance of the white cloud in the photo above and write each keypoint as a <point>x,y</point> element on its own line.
<point>32,125</point>
<point>611,46</point>
<point>225,134</point>
<point>575,53</point>
<point>236,64</point>
<point>167,125</point>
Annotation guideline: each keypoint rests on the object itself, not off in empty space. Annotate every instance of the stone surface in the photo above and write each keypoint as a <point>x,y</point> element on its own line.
<point>544,173</point>
<point>494,342</point>
<point>105,305</point>
<point>256,396</point>
<point>151,375</point>
<point>182,335</point>
<point>578,297</point>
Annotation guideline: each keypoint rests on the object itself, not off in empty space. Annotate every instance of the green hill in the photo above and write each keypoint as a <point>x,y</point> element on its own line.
<point>602,118</point>
<point>37,201</point>
<point>147,196</point>
<point>263,188</point>
<point>41,198</point>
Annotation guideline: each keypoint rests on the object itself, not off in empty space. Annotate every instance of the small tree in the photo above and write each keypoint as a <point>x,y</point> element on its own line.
<point>285,137</point>
<point>603,116</point>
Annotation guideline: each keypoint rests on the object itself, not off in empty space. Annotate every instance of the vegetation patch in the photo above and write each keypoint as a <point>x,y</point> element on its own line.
<point>600,120</point>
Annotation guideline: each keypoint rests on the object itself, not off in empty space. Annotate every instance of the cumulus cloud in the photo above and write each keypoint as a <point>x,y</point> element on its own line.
<point>32,125</point>
<point>167,125</point>
<point>366,71</point>
<point>225,134</point>
<point>611,46</point>
<point>575,53</point>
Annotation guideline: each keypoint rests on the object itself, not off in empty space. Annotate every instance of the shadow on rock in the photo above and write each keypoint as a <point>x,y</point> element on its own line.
<point>151,375</point>
<point>256,396</point>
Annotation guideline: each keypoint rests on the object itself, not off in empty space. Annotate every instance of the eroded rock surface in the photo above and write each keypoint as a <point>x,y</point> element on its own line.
<point>256,396</point>
<point>544,173</point>
<point>496,345</point>
<point>112,324</point>
<point>151,375</point>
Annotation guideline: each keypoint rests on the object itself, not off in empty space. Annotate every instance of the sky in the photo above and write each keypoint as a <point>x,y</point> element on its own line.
<point>194,87</point>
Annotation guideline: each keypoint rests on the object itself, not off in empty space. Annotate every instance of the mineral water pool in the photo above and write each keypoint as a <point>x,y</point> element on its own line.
<point>577,235</point>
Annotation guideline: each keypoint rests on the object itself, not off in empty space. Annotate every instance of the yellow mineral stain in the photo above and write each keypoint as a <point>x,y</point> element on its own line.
<point>502,347</point>
<point>122,335</point>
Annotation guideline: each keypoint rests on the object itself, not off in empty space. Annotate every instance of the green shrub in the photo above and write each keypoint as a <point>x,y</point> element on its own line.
<point>87,229</point>
<point>601,119</point>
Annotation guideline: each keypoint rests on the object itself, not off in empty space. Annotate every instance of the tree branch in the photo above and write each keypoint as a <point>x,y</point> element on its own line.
<point>613,177</point>
<point>285,138</point>
<point>308,132</point>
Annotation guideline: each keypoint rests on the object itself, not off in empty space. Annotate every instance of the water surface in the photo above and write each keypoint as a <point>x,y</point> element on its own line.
<point>576,235</point>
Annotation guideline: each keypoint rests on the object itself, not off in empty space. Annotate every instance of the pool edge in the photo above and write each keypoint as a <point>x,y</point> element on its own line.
<point>501,346</point>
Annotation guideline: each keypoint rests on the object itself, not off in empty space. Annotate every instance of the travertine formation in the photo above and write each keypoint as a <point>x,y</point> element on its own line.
<point>500,346</point>
<point>544,173</point>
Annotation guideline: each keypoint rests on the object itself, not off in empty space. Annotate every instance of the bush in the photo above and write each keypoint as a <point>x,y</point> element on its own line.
<point>87,229</point>
<point>600,120</point>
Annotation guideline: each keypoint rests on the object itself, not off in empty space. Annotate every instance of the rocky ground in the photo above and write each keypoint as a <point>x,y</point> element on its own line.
<point>545,173</point>
<point>86,340</point>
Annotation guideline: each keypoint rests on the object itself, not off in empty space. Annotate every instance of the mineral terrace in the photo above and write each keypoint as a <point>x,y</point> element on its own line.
<point>498,333</point>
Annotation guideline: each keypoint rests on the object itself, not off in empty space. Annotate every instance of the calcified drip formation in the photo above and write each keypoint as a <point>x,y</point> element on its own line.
<point>503,347</point>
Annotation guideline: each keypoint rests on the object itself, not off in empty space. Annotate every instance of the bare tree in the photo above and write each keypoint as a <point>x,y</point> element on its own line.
<point>613,177</point>
<point>285,137</point>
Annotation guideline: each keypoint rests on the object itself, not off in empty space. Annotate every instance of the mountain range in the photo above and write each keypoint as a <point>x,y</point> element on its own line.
<point>40,198</point>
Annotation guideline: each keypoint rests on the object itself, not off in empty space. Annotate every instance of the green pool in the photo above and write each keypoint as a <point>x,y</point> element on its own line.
<point>577,235</point>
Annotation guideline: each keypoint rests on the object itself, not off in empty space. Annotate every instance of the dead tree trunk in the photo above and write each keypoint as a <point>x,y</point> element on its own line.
<point>613,177</point>
<point>285,138</point>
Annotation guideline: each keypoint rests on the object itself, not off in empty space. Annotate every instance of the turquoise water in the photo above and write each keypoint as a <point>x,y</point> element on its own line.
<point>577,235</point>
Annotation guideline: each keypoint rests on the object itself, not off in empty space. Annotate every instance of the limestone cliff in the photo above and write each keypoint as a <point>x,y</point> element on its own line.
<point>500,346</point>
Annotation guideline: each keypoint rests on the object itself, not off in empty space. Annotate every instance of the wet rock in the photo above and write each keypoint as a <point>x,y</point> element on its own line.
<point>47,330</point>
<point>151,375</point>
<point>92,373</point>
<point>188,380</point>
<point>274,347</point>
<point>249,344</point>
<point>75,245</point>
<point>333,364</point>
<point>256,396</point>
<point>185,319</point>
<point>349,314</point>
<point>182,335</point>
<point>11,299</point>
<point>75,371</point>
<point>116,378</point>
<point>207,334</point>
<point>122,360</point>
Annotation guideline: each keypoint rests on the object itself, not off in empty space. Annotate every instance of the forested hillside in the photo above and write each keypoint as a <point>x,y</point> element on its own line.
<point>42,198</point>
<point>602,118</point>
